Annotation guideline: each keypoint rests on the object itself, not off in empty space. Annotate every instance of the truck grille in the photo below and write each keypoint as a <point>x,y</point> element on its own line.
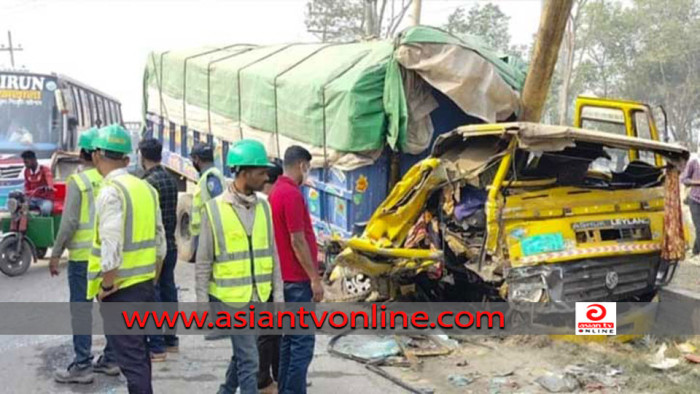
<point>608,279</point>
<point>11,171</point>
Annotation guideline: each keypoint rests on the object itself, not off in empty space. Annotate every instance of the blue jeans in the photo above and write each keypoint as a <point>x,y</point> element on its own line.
<point>43,205</point>
<point>166,291</point>
<point>243,369</point>
<point>82,344</point>
<point>296,351</point>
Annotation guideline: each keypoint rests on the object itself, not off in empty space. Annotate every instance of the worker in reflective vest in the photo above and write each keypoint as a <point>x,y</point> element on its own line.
<point>75,234</point>
<point>237,261</point>
<point>126,252</point>
<point>211,183</point>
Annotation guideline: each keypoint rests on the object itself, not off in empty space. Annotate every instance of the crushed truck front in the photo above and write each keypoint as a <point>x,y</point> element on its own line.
<point>522,212</point>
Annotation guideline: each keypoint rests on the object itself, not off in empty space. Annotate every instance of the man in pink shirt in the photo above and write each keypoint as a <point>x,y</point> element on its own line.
<point>297,249</point>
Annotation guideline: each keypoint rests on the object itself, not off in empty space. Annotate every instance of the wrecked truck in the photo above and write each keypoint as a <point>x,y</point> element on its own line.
<point>522,212</point>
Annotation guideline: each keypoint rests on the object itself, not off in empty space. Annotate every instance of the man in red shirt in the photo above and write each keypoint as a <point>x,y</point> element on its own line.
<point>38,184</point>
<point>296,246</point>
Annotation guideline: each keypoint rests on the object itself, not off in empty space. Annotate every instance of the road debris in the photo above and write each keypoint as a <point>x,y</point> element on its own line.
<point>693,358</point>
<point>496,384</point>
<point>596,375</point>
<point>685,347</point>
<point>565,383</point>
<point>460,380</point>
<point>397,381</point>
<point>365,348</point>
<point>661,362</point>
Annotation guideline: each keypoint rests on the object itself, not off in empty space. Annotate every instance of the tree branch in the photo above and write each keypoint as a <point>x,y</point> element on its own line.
<point>399,18</point>
<point>381,16</point>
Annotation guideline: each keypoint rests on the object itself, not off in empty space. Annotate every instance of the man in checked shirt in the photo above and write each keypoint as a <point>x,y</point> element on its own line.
<point>151,150</point>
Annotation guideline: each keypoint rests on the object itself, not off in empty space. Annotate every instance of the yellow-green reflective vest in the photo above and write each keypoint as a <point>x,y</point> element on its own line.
<point>201,196</point>
<point>88,183</point>
<point>240,261</point>
<point>139,207</point>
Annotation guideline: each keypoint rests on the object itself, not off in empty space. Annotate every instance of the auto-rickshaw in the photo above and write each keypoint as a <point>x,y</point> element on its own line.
<point>26,235</point>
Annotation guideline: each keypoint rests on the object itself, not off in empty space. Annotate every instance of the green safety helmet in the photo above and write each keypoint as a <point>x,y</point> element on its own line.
<point>86,137</point>
<point>113,138</point>
<point>247,153</point>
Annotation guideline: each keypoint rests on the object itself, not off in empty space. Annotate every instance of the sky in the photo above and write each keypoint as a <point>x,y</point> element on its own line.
<point>105,43</point>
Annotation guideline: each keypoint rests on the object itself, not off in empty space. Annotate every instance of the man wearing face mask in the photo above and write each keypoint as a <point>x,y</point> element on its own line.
<point>298,252</point>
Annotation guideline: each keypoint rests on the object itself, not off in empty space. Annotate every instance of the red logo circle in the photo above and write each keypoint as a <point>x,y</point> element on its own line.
<point>597,313</point>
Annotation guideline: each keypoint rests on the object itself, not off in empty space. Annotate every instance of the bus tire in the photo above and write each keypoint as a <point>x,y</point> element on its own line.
<point>185,241</point>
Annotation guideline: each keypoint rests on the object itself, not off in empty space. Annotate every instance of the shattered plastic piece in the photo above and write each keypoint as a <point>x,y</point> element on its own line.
<point>558,383</point>
<point>693,358</point>
<point>459,380</point>
<point>368,347</point>
<point>659,360</point>
<point>495,385</point>
<point>446,341</point>
<point>686,347</point>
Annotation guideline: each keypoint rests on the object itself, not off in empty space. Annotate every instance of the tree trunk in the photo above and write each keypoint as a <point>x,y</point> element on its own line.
<point>544,58</point>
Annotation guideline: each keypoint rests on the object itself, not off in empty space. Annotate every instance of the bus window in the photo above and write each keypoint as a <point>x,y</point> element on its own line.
<point>78,108</point>
<point>108,111</point>
<point>96,121</point>
<point>112,112</point>
<point>89,118</point>
<point>100,110</point>
<point>118,108</point>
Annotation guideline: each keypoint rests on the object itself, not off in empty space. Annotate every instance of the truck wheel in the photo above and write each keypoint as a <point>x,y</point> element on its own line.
<point>11,262</point>
<point>185,241</point>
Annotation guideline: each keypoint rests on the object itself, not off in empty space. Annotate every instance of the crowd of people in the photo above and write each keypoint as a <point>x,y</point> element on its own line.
<point>254,243</point>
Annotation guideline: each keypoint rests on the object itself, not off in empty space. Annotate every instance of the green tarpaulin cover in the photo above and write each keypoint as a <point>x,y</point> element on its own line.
<point>347,97</point>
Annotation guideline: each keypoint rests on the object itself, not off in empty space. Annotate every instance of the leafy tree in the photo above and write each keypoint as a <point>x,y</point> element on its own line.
<point>349,20</point>
<point>644,50</point>
<point>662,67</point>
<point>485,21</point>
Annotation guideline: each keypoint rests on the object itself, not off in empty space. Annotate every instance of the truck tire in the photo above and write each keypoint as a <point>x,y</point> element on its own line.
<point>185,241</point>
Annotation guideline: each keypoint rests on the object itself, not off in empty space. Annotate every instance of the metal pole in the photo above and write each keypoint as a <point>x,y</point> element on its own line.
<point>12,54</point>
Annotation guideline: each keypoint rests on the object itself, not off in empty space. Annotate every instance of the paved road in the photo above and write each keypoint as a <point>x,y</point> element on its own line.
<point>27,362</point>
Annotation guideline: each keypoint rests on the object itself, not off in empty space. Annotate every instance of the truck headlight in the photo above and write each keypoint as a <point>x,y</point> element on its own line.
<point>527,291</point>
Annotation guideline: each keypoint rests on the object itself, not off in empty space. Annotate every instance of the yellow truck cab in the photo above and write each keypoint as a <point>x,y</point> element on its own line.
<point>521,212</point>
<point>622,117</point>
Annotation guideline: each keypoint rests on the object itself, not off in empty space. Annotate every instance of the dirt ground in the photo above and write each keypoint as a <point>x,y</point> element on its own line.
<point>515,364</point>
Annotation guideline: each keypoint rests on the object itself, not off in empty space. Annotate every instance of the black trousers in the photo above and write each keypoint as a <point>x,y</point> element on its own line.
<point>132,352</point>
<point>269,355</point>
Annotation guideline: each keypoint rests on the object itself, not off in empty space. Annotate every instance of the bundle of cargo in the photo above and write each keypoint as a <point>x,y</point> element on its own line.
<point>345,102</point>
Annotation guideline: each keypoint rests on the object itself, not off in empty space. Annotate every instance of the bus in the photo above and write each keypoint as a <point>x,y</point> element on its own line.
<point>45,113</point>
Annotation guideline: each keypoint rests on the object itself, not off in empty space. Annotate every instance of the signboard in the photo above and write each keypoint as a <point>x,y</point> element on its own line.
<point>27,116</point>
<point>24,89</point>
